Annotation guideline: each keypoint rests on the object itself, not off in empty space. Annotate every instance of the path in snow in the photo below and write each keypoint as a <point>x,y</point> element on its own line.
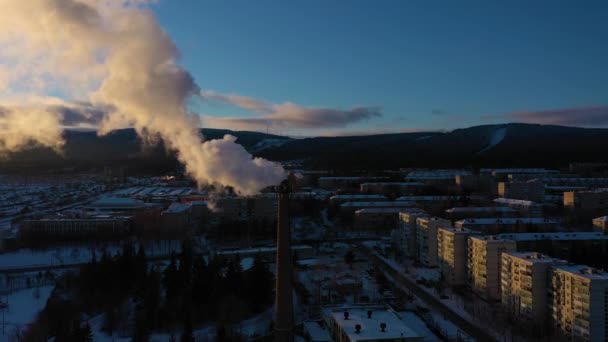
<point>497,137</point>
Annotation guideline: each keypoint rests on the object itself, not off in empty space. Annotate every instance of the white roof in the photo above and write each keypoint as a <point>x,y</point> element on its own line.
<point>395,184</point>
<point>601,218</point>
<point>370,327</point>
<point>516,202</point>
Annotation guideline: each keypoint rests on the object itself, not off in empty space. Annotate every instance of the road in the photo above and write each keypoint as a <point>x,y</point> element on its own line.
<point>468,327</point>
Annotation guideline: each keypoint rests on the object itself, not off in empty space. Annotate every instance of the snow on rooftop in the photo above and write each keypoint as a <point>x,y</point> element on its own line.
<point>370,327</point>
<point>357,196</point>
<point>534,257</point>
<point>177,208</point>
<point>583,271</point>
<point>515,202</point>
<point>316,331</point>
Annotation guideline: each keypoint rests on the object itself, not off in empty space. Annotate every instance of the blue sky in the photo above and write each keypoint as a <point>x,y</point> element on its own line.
<point>426,64</point>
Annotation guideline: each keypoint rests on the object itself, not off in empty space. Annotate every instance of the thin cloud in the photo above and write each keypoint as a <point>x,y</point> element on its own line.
<point>286,115</point>
<point>593,116</point>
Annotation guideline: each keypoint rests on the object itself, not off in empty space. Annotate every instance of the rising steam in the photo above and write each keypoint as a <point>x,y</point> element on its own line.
<point>114,55</point>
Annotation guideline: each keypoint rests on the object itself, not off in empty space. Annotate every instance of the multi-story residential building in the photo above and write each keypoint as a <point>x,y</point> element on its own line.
<point>600,224</point>
<point>586,200</point>
<point>351,207</point>
<point>390,188</point>
<point>524,284</point>
<point>573,181</point>
<point>346,182</point>
<point>579,247</point>
<point>339,199</point>
<point>531,190</point>
<point>579,302</point>
<point>380,219</point>
<point>484,264</point>
<point>407,229</point>
<point>459,213</point>
<point>436,177</point>
<point>366,323</point>
<point>508,224</point>
<point>426,236</point>
<point>452,254</point>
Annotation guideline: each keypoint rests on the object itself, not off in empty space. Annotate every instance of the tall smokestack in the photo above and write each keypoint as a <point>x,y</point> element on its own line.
<point>283,298</point>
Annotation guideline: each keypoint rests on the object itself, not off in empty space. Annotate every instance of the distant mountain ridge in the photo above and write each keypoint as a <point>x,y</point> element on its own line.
<point>489,145</point>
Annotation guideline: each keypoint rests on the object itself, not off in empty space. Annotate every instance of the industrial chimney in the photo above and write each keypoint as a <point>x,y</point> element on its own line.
<point>283,302</point>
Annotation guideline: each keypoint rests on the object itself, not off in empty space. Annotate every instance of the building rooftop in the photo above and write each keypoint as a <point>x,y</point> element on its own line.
<point>535,257</point>
<point>601,218</point>
<point>350,178</point>
<point>176,208</point>
<point>387,210</point>
<point>554,236</point>
<point>386,204</point>
<point>516,202</point>
<point>370,327</point>
<point>436,174</point>
<point>395,183</point>
<point>117,201</point>
<point>456,230</point>
<point>457,210</point>
<point>583,271</point>
<point>517,170</point>
<point>316,331</point>
<point>507,220</point>
<point>354,196</point>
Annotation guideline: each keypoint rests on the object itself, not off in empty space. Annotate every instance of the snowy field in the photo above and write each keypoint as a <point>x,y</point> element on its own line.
<point>23,307</point>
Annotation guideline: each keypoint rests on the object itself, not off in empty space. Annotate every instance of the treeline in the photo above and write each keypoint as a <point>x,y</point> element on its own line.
<point>137,299</point>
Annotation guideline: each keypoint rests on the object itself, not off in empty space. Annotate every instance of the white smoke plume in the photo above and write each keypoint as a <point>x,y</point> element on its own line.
<point>113,55</point>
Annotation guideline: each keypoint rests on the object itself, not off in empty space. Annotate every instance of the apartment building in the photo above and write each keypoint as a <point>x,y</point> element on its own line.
<point>426,237</point>
<point>351,207</point>
<point>579,302</point>
<point>459,213</point>
<point>524,284</point>
<point>339,199</point>
<point>346,182</point>
<point>600,224</point>
<point>484,264</point>
<point>452,254</point>
<point>407,231</point>
<point>586,200</point>
<point>508,224</point>
<point>380,219</point>
<point>390,187</point>
<point>530,190</point>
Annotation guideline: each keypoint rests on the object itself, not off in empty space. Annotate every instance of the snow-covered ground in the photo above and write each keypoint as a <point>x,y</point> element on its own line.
<point>417,324</point>
<point>23,307</point>
<point>497,137</point>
